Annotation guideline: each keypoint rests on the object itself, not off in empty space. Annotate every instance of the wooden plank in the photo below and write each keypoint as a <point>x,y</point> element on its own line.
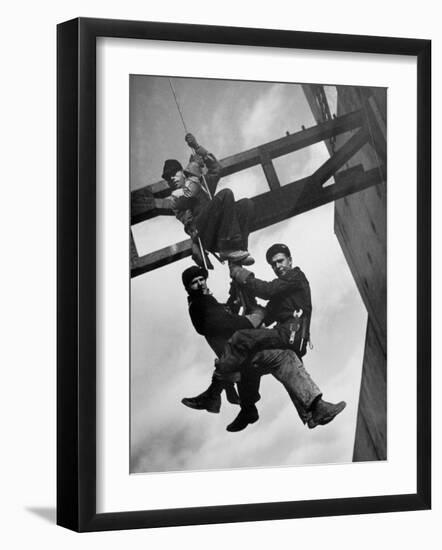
<point>275,206</point>
<point>142,209</point>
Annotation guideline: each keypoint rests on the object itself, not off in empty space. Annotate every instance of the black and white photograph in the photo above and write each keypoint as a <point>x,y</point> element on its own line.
<point>258,274</point>
<point>219,330</point>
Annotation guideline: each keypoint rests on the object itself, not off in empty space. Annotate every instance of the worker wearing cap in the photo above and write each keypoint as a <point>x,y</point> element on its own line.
<point>222,224</point>
<point>214,321</point>
<point>290,307</point>
<point>217,323</point>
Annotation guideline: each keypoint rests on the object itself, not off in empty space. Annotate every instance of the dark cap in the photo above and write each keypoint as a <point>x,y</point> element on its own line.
<point>171,167</point>
<point>192,272</point>
<point>277,248</point>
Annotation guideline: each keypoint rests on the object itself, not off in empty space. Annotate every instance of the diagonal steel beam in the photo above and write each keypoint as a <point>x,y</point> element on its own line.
<point>275,206</point>
<point>142,209</point>
<point>342,155</point>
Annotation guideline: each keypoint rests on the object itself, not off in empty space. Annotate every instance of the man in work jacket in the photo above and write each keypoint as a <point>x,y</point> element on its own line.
<point>222,224</point>
<point>217,323</point>
<point>289,305</point>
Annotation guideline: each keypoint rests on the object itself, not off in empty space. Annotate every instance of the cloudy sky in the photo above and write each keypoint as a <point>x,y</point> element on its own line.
<point>169,360</point>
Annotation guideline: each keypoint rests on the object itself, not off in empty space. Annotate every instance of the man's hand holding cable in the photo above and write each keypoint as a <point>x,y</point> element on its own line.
<point>239,274</point>
<point>191,141</point>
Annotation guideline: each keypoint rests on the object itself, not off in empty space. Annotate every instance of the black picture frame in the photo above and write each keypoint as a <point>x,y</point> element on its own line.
<point>77,286</point>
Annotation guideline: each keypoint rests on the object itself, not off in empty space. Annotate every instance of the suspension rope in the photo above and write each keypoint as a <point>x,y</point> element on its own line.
<point>203,255</point>
<point>205,186</point>
<point>178,105</point>
<point>203,177</point>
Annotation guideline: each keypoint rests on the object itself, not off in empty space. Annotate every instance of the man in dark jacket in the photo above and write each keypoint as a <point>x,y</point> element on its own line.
<point>222,224</point>
<point>217,323</point>
<point>290,306</point>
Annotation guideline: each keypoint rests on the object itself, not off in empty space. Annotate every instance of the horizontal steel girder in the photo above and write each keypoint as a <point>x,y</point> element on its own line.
<point>149,202</point>
<point>275,206</point>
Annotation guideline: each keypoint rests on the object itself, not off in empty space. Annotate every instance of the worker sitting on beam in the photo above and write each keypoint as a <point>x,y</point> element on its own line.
<point>218,222</point>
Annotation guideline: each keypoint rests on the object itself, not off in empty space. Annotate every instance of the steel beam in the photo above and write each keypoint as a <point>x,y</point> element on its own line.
<point>311,93</point>
<point>275,206</point>
<point>143,207</point>
<point>161,257</point>
<point>342,155</point>
<point>269,170</point>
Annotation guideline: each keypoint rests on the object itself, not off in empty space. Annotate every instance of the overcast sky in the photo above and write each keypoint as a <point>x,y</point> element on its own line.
<point>169,360</point>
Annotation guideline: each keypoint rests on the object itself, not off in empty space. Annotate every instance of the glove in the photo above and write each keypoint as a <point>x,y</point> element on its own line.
<point>191,230</point>
<point>191,141</point>
<point>234,269</point>
<point>239,274</point>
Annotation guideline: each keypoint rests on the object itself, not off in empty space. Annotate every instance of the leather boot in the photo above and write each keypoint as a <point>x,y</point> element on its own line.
<point>237,256</point>
<point>246,416</point>
<point>231,394</point>
<point>209,400</point>
<point>324,412</point>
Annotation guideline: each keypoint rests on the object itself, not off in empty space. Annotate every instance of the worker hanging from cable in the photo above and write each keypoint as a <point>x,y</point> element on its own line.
<point>215,222</point>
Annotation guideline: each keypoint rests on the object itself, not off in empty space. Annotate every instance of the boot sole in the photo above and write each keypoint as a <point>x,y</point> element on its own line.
<point>248,261</point>
<point>243,427</point>
<point>214,410</point>
<point>326,420</point>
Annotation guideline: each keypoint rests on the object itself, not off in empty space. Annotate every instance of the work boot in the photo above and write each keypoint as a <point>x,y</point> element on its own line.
<point>246,416</point>
<point>249,260</point>
<point>324,412</point>
<point>237,256</point>
<point>209,400</point>
<point>231,394</point>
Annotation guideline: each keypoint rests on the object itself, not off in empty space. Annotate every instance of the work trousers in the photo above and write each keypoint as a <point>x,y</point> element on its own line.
<point>246,342</point>
<point>223,224</point>
<point>285,366</point>
<point>248,385</point>
<point>288,369</point>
